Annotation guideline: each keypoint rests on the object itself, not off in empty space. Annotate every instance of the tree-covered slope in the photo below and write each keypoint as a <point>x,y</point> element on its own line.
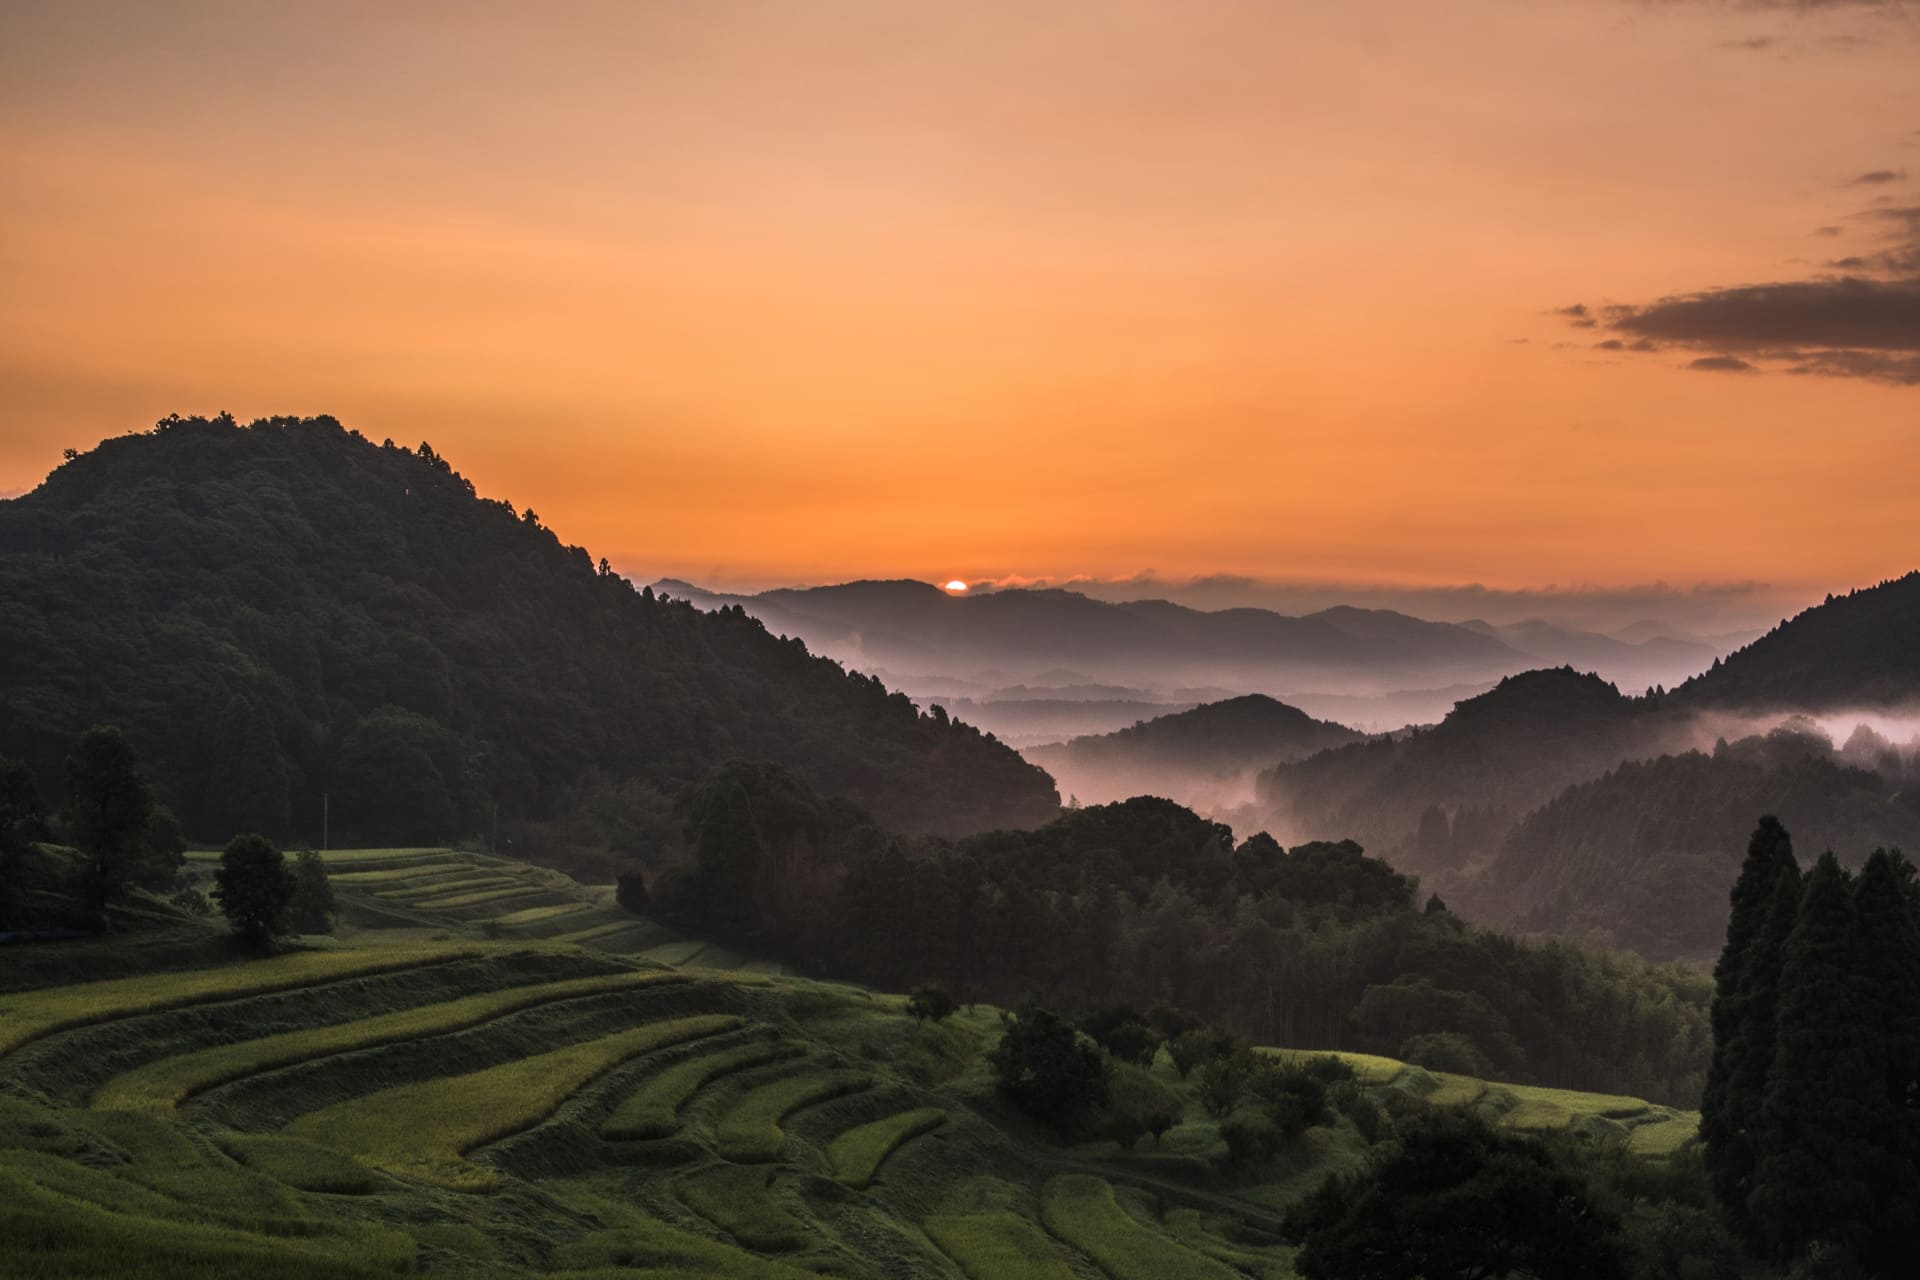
<point>286,609</point>
<point>1643,857</point>
<point>1854,651</point>
<point>1494,758</point>
<point>1177,755</point>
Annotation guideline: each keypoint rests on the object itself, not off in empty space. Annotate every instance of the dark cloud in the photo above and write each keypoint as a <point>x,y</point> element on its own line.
<point>1611,344</point>
<point>1863,321</point>
<point>1879,178</point>
<point>1577,315</point>
<point>1827,231</point>
<point>1847,311</point>
<point>1752,44</point>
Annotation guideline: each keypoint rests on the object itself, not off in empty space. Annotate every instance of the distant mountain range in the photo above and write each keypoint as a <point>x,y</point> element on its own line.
<point>1377,662</point>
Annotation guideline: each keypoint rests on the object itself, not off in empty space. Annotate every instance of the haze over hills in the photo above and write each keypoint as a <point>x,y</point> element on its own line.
<point>1372,668</point>
<point>287,611</point>
<point>1204,758</point>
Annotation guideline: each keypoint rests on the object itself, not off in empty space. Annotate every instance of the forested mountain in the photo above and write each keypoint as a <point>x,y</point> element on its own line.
<point>1859,650</point>
<point>286,609</point>
<point>1643,856</point>
<point>1429,798</point>
<point>1191,756</point>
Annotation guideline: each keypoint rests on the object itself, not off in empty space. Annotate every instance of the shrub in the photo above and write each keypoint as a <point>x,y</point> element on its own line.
<point>930,1001</point>
<point>1193,1048</point>
<point>1447,1051</point>
<point>1124,1034</point>
<point>1048,1071</point>
<point>1138,1104</point>
<point>630,892</point>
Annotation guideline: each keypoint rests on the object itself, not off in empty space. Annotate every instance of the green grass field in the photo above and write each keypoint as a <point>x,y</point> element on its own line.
<point>751,1131</point>
<point>1080,1209</point>
<point>477,1100</point>
<point>858,1153</point>
<point>424,1130</point>
<point>164,1085</point>
<point>26,1016</point>
<point>998,1246</point>
<point>651,1110</point>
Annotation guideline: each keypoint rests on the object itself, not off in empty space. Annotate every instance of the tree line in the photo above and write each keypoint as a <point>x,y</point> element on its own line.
<point>119,839</point>
<point>1144,902</point>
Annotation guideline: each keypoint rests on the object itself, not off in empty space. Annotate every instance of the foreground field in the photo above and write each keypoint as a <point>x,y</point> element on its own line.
<point>503,1101</point>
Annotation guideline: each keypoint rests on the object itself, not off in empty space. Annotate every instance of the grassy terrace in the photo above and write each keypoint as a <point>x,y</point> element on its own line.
<point>619,1120</point>
<point>26,1016</point>
<point>423,1130</point>
<point>164,1085</point>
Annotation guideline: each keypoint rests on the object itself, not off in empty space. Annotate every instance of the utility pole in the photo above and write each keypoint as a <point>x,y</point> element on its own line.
<point>326,815</point>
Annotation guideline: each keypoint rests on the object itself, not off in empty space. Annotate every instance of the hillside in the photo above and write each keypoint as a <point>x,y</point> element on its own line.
<point>287,611</point>
<point>1855,651</point>
<point>1202,758</point>
<point>469,1108</point>
<point>1643,857</point>
<point>1493,759</point>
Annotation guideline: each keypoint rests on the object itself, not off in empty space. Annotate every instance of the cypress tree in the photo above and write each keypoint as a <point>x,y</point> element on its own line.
<point>729,855</point>
<point>1742,1015</point>
<point>1814,1181</point>
<point>1887,908</point>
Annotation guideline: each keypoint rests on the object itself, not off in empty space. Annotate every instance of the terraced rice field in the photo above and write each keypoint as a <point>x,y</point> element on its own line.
<point>496,1104</point>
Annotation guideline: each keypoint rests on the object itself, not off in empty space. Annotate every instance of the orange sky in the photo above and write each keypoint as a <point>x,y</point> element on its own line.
<point>754,292</point>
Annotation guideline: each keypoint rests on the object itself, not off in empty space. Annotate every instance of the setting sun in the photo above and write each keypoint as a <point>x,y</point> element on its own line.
<point>956,586</point>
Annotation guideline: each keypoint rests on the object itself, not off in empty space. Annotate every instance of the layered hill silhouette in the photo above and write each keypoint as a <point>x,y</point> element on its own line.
<point>1857,651</point>
<point>288,610</point>
<point>1555,802</point>
<point>1491,761</point>
<point>1191,756</point>
<point>921,634</point>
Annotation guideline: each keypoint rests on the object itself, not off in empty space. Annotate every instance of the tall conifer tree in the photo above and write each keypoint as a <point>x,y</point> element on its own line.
<point>1814,1183</point>
<point>1887,909</point>
<point>1742,1016</point>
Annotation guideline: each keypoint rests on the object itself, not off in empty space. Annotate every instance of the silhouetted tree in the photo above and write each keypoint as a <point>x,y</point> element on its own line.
<point>254,889</point>
<point>312,909</point>
<point>1745,981</point>
<point>630,891</point>
<point>1048,1071</point>
<point>930,1001</point>
<point>20,824</point>
<point>108,808</point>
<point>1818,1145</point>
<point>1887,915</point>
